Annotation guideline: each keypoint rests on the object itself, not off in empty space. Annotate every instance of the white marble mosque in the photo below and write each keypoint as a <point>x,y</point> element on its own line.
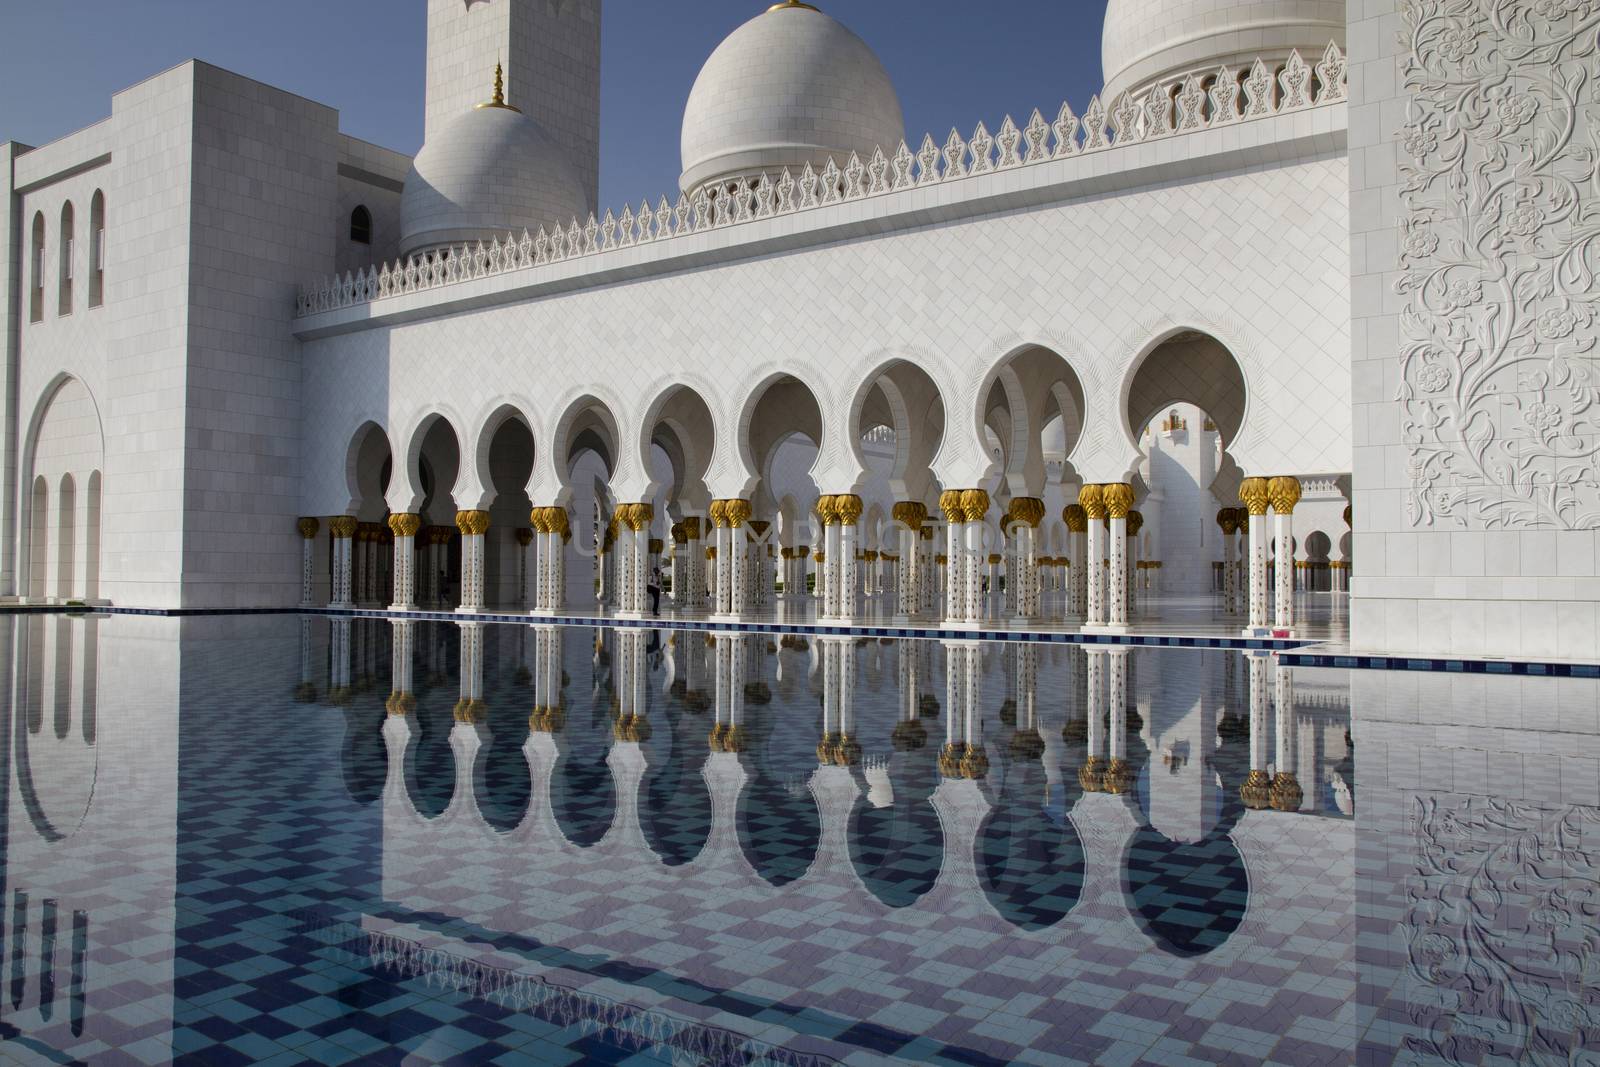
<point>1287,332</point>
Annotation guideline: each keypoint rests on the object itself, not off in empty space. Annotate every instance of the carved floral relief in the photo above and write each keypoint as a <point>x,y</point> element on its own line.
<point>1498,230</point>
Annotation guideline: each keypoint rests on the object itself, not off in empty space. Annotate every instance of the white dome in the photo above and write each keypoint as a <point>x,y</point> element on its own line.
<point>1149,41</point>
<point>790,86</point>
<point>490,171</point>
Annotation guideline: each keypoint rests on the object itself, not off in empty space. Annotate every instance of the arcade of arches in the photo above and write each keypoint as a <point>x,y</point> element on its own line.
<point>1033,544</point>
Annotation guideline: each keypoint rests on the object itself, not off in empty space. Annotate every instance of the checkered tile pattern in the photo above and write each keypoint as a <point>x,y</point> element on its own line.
<point>333,899</point>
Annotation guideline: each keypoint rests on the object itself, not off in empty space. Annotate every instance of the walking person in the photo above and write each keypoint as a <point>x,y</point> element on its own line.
<point>654,589</point>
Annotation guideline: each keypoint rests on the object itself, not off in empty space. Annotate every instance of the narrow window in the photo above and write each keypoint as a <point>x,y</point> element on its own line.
<point>361,225</point>
<point>64,303</point>
<point>36,291</point>
<point>97,249</point>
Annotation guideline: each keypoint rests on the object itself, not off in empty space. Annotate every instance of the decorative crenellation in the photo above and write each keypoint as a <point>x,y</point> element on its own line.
<point>1227,97</point>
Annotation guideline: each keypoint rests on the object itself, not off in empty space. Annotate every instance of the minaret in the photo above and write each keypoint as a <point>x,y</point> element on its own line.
<point>551,53</point>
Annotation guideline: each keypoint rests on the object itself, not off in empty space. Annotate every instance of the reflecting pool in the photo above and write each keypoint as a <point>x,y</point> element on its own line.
<point>295,839</point>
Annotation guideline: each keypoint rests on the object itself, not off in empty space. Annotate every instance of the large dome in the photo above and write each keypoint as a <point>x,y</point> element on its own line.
<point>491,170</point>
<point>1150,41</point>
<point>790,86</point>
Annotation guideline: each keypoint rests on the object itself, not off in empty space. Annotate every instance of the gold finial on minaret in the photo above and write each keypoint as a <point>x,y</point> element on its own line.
<point>499,99</point>
<point>791,4</point>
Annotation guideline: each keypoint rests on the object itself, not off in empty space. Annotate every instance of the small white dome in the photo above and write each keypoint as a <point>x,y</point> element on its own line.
<point>1150,41</point>
<point>489,171</point>
<point>790,86</point>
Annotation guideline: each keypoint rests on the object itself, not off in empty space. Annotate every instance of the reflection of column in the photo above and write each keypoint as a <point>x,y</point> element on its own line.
<point>405,525</point>
<point>1285,494</point>
<point>1256,791</point>
<point>308,528</point>
<point>1254,493</point>
<point>1094,510</point>
<point>1286,793</point>
<point>1119,775</point>
<point>343,530</point>
<point>473,526</point>
<point>1091,774</point>
<point>1118,498</point>
<point>339,661</point>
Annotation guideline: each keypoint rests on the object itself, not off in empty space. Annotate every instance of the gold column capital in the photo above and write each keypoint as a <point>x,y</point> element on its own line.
<point>343,527</point>
<point>910,513</point>
<point>405,524</point>
<point>719,513</point>
<point>974,504</point>
<point>308,527</point>
<point>1118,497</point>
<point>473,522</point>
<point>1228,521</point>
<point>1076,518</point>
<point>1092,500</point>
<point>524,536</point>
<point>1284,492</point>
<point>1256,495</point>
<point>1135,523</point>
<point>847,507</point>
<point>679,533</point>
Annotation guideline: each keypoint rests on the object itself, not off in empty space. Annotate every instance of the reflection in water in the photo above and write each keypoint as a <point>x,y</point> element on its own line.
<point>827,844</point>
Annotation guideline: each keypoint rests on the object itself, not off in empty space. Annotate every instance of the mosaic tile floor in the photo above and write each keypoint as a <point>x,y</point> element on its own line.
<point>268,839</point>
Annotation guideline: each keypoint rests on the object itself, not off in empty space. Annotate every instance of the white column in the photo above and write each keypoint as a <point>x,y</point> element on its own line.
<point>342,528</point>
<point>1117,573</point>
<point>405,527</point>
<point>1255,494</point>
<point>473,526</point>
<point>1284,494</point>
<point>1093,572</point>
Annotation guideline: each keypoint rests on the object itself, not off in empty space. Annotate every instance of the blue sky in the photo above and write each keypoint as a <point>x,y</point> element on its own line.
<point>953,61</point>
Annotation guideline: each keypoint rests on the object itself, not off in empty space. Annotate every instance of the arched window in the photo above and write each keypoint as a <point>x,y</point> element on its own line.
<point>97,249</point>
<point>64,253</point>
<point>36,258</point>
<point>361,225</point>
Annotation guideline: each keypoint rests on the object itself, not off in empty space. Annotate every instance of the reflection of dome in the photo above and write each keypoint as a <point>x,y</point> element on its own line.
<point>489,171</point>
<point>790,86</point>
<point>1148,41</point>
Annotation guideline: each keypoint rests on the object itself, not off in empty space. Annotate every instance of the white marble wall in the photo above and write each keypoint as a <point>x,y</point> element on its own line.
<point>1475,508</point>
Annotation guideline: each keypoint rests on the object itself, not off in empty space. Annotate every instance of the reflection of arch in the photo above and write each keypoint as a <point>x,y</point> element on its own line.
<point>780,828</point>
<point>363,759</point>
<point>1030,859</point>
<point>430,764</point>
<point>1185,365</point>
<point>898,849</point>
<point>583,793</point>
<point>501,781</point>
<point>677,800</point>
<point>56,769</point>
<point>1189,897</point>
